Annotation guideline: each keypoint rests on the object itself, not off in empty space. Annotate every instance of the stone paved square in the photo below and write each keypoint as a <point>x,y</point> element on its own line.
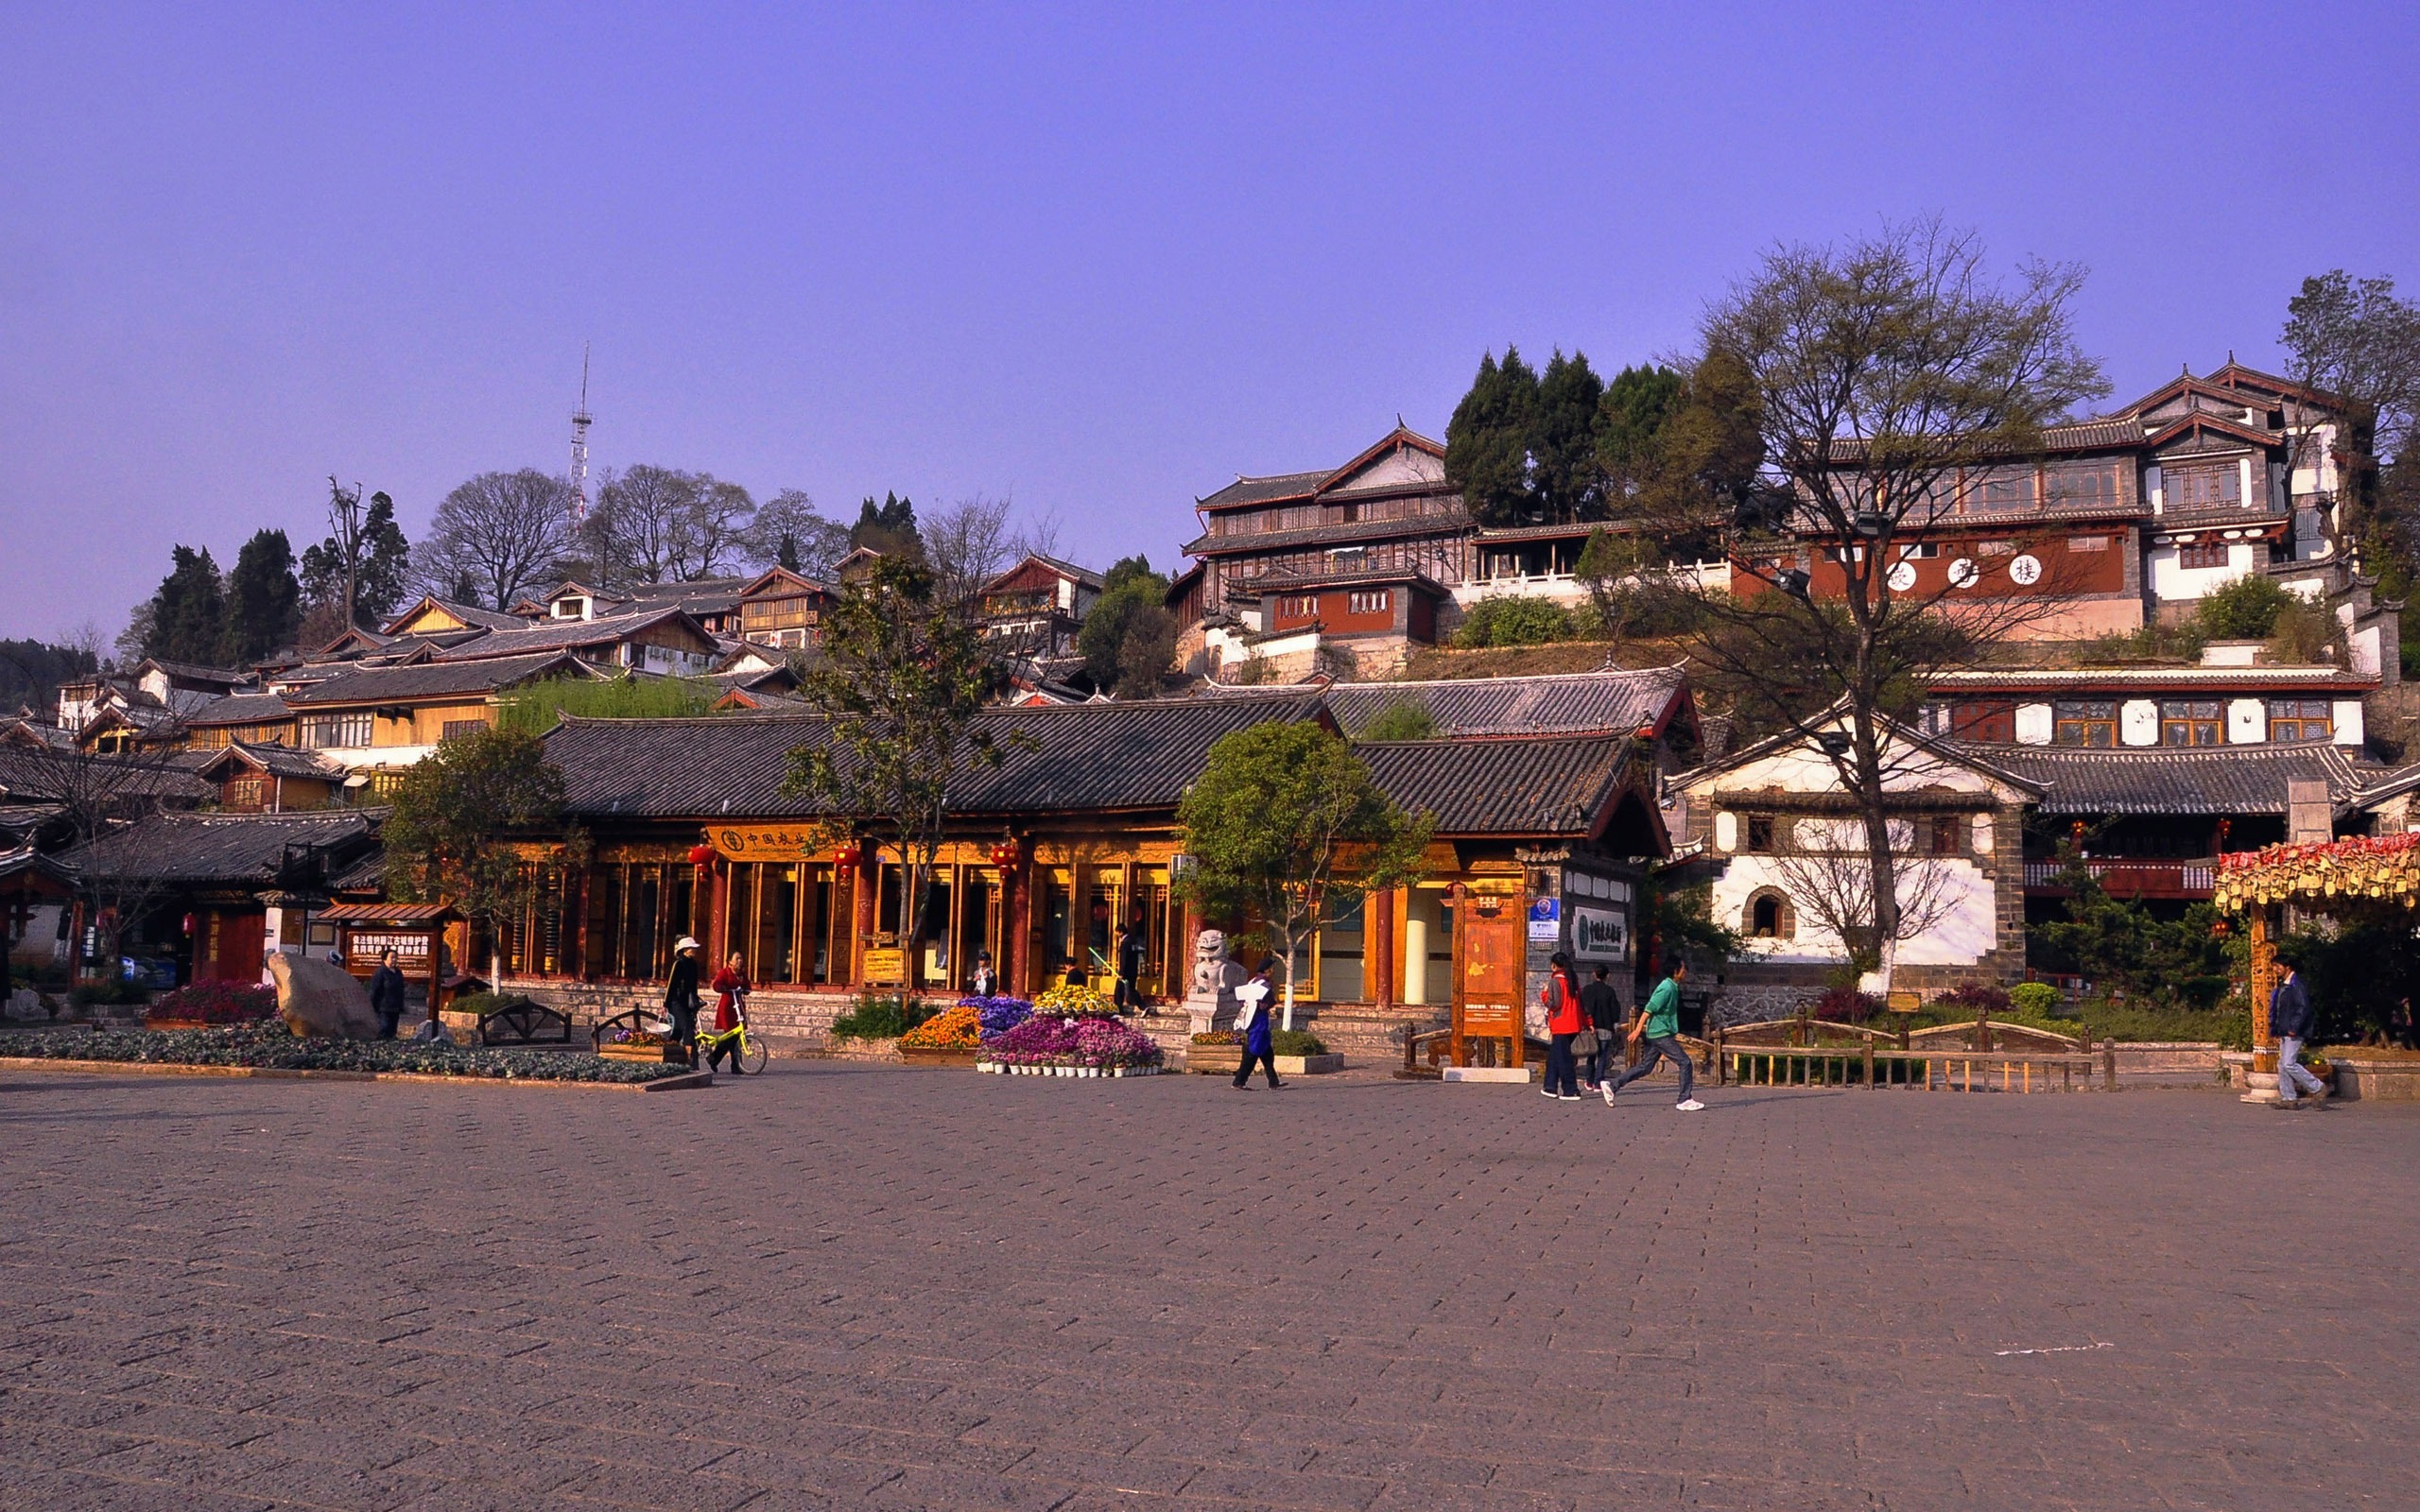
<point>847,1285</point>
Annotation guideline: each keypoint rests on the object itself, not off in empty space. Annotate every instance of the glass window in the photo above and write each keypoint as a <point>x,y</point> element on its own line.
<point>344,731</point>
<point>2081,485</point>
<point>2086,722</point>
<point>2191,722</point>
<point>2300,719</point>
<point>2005,489</point>
<point>1760,835</point>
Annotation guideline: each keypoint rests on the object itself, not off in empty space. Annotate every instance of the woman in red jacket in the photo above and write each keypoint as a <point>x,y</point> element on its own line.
<point>732,982</point>
<point>1565,1019</point>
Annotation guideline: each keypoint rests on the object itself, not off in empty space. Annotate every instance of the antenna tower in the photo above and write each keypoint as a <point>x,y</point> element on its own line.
<point>580,419</point>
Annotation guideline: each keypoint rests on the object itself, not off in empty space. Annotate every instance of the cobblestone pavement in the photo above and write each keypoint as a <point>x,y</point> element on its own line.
<point>846,1285</point>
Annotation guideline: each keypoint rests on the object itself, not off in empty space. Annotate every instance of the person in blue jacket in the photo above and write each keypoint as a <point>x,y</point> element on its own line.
<point>1252,1021</point>
<point>2292,1018</point>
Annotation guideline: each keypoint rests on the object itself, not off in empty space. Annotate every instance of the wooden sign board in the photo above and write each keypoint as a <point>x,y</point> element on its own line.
<point>780,842</point>
<point>1904,1000</point>
<point>1490,1020</point>
<point>884,966</point>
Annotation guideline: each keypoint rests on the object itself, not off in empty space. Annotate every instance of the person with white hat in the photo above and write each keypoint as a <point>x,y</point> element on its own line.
<point>681,1000</point>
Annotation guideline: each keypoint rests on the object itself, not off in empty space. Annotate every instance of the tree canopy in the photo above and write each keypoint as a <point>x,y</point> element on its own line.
<point>888,527</point>
<point>454,809</point>
<point>264,601</point>
<point>1128,639</point>
<point>188,615</point>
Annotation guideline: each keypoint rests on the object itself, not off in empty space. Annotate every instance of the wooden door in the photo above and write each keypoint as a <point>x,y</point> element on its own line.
<point>1490,953</point>
<point>235,943</point>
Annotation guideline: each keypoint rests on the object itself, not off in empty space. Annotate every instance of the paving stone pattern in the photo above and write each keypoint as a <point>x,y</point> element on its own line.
<point>846,1285</point>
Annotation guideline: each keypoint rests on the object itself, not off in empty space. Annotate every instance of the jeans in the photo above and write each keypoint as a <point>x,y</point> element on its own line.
<point>1670,1049</point>
<point>386,1022</point>
<point>1600,1054</point>
<point>1268,1063</point>
<point>2294,1079</point>
<point>1560,1081</point>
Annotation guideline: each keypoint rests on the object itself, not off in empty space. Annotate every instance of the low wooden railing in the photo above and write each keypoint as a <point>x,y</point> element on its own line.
<point>1945,1070</point>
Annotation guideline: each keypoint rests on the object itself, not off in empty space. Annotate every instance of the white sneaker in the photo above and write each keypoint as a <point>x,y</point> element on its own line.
<point>1609,1095</point>
<point>1692,1106</point>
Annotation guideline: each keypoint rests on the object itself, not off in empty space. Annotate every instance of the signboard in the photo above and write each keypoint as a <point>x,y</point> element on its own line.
<point>782,842</point>
<point>1599,933</point>
<point>1546,921</point>
<point>1490,1020</point>
<point>884,966</point>
<point>411,947</point>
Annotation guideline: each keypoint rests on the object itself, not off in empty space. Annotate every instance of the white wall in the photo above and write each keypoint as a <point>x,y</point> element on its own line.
<point>2172,583</point>
<point>1965,934</point>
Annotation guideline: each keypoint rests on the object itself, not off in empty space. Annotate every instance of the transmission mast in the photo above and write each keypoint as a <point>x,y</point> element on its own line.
<point>580,419</point>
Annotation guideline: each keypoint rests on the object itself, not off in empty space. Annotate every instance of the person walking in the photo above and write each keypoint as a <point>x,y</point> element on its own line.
<point>1252,1022</point>
<point>387,994</point>
<point>1659,1024</point>
<point>1566,1017</point>
<point>1604,1026</point>
<point>1131,951</point>
<point>681,1000</point>
<point>732,982</point>
<point>2292,1018</point>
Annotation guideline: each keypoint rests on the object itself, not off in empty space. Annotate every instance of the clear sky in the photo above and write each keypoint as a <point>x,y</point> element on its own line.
<point>1100,259</point>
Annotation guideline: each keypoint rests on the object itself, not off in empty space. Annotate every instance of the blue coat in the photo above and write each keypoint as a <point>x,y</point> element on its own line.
<point>2289,1013</point>
<point>1256,1038</point>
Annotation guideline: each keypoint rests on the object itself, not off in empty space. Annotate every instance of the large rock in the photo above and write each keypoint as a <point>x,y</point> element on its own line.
<point>321,1001</point>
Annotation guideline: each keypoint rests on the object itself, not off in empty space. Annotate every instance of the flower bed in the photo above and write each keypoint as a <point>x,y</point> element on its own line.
<point>998,1014</point>
<point>213,1003</point>
<point>960,1028</point>
<point>271,1047</point>
<point>1067,1001</point>
<point>1047,1045</point>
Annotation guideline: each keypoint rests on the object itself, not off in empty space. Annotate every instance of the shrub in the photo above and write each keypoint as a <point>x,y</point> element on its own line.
<point>2244,610</point>
<point>873,1016</point>
<point>488,1003</point>
<point>115,991</point>
<point>1974,998</point>
<point>1296,1042</point>
<point>216,1002</point>
<point>1845,1005</point>
<point>2034,1000</point>
<point>1512,620</point>
<point>269,1046</point>
<point>1404,719</point>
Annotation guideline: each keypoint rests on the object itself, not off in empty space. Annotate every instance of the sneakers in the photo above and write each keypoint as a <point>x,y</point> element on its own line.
<point>1609,1095</point>
<point>1567,1097</point>
<point>1545,1091</point>
<point>1692,1106</point>
<point>1240,1086</point>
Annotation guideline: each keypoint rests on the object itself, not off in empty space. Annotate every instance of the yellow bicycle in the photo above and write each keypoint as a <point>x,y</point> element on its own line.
<point>748,1054</point>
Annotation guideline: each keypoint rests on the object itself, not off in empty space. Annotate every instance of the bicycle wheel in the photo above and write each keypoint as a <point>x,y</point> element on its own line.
<point>754,1054</point>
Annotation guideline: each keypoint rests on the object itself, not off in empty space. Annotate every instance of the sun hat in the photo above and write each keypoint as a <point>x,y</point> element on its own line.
<point>686,942</point>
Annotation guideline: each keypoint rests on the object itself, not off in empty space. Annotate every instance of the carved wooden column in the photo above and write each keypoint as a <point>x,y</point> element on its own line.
<point>2260,1081</point>
<point>1378,945</point>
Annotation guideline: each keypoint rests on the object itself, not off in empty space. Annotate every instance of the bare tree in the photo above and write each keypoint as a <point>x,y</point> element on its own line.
<point>718,529</point>
<point>1826,873</point>
<point>789,531</point>
<point>1036,535</point>
<point>500,532</point>
<point>966,545</point>
<point>102,799</point>
<point>657,525</point>
<point>1877,373</point>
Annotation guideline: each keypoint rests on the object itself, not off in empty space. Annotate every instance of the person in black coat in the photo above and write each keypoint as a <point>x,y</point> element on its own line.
<point>2292,1019</point>
<point>681,1000</point>
<point>387,994</point>
<point>1604,1012</point>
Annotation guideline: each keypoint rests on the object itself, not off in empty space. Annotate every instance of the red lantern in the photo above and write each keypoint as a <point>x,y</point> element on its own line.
<point>1004,856</point>
<point>700,854</point>
<point>845,855</point>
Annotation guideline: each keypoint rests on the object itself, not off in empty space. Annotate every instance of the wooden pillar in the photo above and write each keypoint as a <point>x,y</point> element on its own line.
<point>862,904</point>
<point>1379,946</point>
<point>2264,982</point>
<point>1458,1045</point>
<point>717,912</point>
<point>1017,940</point>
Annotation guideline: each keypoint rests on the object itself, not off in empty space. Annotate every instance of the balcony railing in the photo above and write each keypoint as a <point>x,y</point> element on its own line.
<point>2130,877</point>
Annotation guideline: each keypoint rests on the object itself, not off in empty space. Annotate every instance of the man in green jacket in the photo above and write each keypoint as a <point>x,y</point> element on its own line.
<point>1659,1023</point>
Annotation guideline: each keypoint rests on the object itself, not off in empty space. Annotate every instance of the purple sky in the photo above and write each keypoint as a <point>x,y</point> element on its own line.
<point>1093,258</point>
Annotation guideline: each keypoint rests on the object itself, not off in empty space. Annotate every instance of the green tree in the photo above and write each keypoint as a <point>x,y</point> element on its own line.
<point>2244,610</point>
<point>454,812</point>
<point>1487,441</point>
<point>1513,619</point>
<point>188,615</point>
<point>1406,718</point>
<point>1565,482</point>
<point>900,681</point>
<point>264,602</point>
<point>1132,569</point>
<point>1128,639</point>
<point>2355,339</point>
<point>1629,424</point>
<point>1288,830</point>
<point>888,527</point>
<point>2121,944</point>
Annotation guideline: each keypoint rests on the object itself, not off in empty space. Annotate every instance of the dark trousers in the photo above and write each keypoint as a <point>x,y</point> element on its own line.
<point>725,1044</point>
<point>685,1030</point>
<point>1268,1063</point>
<point>1670,1049</point>
<point>1598,1057</point>
<point>386,1022</point>
<point>1560,1079</point>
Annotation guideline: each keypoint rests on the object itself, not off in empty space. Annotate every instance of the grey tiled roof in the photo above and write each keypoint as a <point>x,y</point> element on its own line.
<point>1093,757</point>
<point>1617,702</point>
<point>224,848</point>
<point>564,635</point>
<point>1549,785</point>
<point>429,680</point>
<point>2227,780</point>
<point>1261,491</point>
<point>241,709</point>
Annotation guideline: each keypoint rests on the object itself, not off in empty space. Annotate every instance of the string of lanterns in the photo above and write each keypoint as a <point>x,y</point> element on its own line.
<point>2384,866</point>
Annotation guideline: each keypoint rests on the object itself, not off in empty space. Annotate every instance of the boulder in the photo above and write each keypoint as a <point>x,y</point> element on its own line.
<point>319,1001</point>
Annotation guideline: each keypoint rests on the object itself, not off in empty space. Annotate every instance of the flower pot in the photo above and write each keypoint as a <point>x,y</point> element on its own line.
<point>1219,1060</point>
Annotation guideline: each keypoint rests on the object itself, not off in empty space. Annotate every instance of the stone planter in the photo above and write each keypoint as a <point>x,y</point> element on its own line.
<point>1310,1065</point>
<point>667,1053</point>
<point>1214,1061</point>
<point>919,1056</point>
<point>2383,1078</point>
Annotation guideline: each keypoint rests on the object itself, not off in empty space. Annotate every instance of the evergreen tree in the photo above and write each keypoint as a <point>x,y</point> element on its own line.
<point>264,602</point>
<point>1487,442</point>
<point>1565,482</point>
<point>377,554</point>
<point>189,613</point>
<point>888,527</point>
<point>1630,422</point>
<point>1132,569</point>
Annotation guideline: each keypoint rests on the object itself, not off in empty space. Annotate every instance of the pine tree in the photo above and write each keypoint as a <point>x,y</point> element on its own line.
<point>264,602</point>
<point>1565,479</point>
<point>189,613</point>
<point>1487,442</point>
<point>1631,419</point>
